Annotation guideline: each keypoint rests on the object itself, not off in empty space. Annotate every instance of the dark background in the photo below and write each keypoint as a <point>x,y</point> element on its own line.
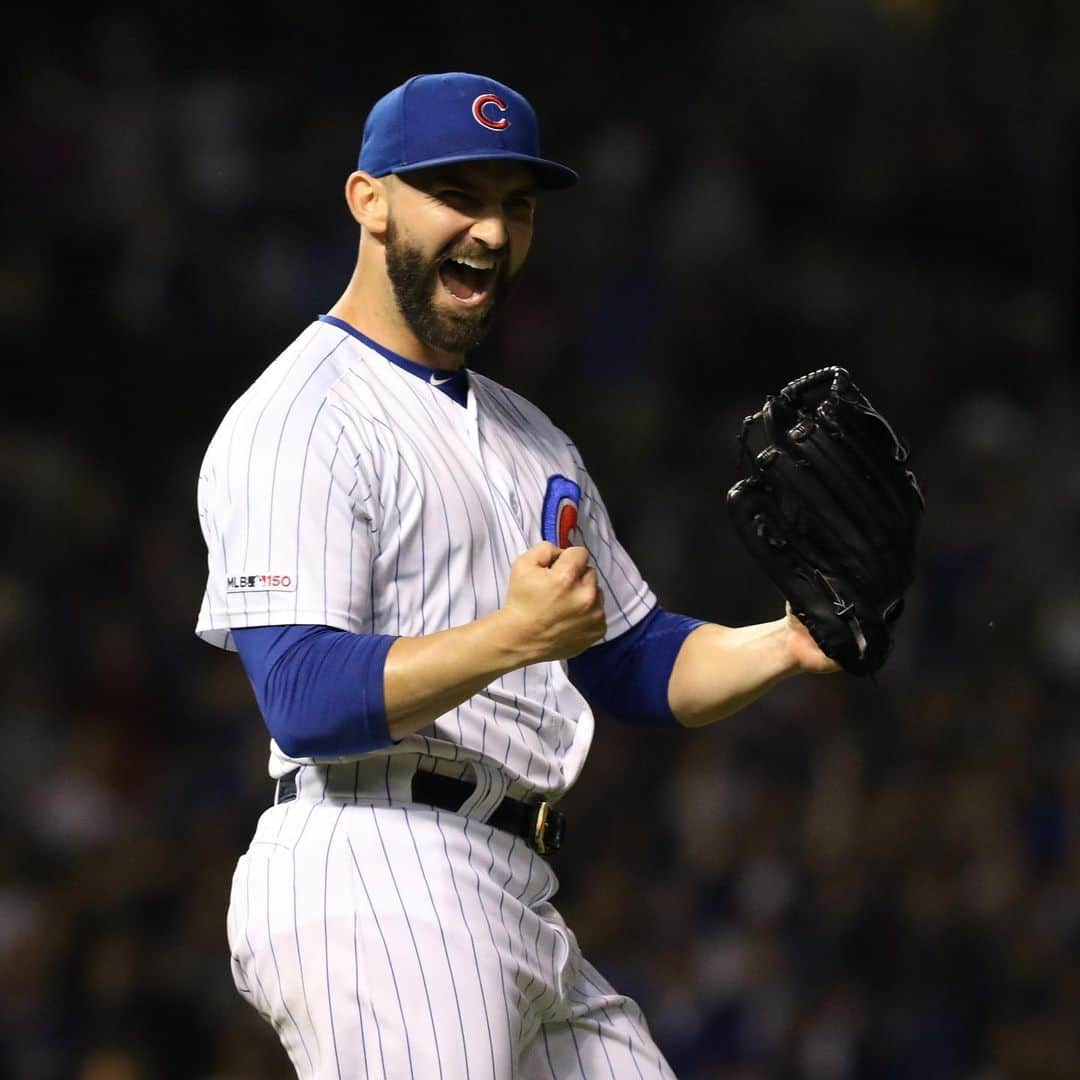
<point>846,879</point>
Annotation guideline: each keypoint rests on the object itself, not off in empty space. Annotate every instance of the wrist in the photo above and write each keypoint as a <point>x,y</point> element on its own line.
<point>510,638</point>
<point>769,649</point>
<point>804,649</point>
<point>788,659</point>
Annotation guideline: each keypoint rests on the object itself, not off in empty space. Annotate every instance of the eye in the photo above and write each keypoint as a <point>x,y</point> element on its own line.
<point>455,197</point>
<point>521,206</point>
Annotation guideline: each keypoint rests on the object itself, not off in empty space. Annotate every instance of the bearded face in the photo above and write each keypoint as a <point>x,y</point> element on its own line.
<point>448,300</point>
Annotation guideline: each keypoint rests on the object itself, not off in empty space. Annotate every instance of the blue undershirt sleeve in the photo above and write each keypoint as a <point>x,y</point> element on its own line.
<point>628,676</point>
<point>319,689</point>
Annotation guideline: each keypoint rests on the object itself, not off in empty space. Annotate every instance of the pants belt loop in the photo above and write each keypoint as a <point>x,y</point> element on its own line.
<point>491,786</point>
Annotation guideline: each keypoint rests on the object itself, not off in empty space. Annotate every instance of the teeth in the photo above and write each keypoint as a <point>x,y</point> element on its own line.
<point>477,264</point>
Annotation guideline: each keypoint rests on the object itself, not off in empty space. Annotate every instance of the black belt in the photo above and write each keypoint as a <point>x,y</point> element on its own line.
<point>541,826</point>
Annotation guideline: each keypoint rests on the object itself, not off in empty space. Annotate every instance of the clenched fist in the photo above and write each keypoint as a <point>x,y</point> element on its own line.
<point>554,607</point>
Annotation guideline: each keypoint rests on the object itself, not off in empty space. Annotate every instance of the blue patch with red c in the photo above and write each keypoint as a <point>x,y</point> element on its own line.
<point>560,514</point>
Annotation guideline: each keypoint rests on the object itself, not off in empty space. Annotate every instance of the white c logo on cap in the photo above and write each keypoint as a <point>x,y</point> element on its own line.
<point>478,112</point>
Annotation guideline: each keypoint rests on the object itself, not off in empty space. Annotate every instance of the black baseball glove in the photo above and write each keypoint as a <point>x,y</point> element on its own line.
<point>832,513</point>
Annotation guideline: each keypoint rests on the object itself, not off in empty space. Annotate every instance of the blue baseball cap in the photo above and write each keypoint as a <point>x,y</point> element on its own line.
<point>455,116</point>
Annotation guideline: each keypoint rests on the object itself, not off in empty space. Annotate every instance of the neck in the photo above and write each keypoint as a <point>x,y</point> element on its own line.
<point>368,304</point>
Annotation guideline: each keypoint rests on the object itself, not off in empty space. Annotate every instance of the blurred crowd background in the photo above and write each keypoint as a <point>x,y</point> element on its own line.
<point>848,879</point>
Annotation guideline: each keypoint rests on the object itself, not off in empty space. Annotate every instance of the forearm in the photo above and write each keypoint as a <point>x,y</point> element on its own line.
<point>554,609</point>
<point>328,694</point>
<point>721,669</point>
<point>428,676</point>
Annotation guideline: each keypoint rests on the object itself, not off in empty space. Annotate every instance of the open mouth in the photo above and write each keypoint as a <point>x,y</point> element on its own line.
<point>468,280</point>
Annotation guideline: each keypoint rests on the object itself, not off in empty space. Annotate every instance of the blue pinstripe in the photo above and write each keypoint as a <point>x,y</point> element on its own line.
<point>521,727</point>
<point>498,593</point>
<point>326,522</point>
<point>577,1050</point>
<point>359,1003</point>
<point>598,514</point>
<point>472,940</point>
<point>547,1051</point>
<point>449,532</point>
<point>247,937</point>
<point>412,937</point>
<point>375,528</point>
<point>554,992</point>
<point>491,932</point>
<point>389,962</point>
<point>303,470</point>
<point>299,497</point>
<point>378,533</point>
<point>302,348</point>
<point>531,1003</point>
<point>251,450</point>
<point>605,583</point>
<point>541,479</point>
<point>277,968</point>
<point>442,936</point>
<point>508,554</point>
<point>224,555</point>
<point>397,561</point>
<point>603,1045</point>
<point>450,458</point>
<point>352,557</point>
<point>522,436</point>
<point>510,939</point>
<point>610,548</point>
<point>583,1000</point>
<point>588,493</point>
<point>629,1041</point>
<point>296,928</point>
<point>546,671</point>
<point>326,940</point>
<point>630,1019</point>
<point>543,713</point>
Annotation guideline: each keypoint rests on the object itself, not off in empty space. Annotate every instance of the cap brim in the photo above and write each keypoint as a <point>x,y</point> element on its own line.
<point>551,175</point>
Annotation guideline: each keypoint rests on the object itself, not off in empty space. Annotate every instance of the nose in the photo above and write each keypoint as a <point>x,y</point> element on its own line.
<point>490,229</point>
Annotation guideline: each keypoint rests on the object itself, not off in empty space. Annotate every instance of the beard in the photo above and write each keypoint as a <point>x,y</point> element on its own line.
<point>414,280</point>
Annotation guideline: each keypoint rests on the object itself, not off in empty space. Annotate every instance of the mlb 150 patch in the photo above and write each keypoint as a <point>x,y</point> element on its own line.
<point>260,583</point>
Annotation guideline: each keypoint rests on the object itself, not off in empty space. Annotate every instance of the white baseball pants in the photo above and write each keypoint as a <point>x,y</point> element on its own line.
<point>405,943</point>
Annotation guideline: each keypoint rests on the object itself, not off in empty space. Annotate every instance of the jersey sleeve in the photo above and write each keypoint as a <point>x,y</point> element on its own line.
<point>628,676</point>
<point>627,596</point>
<point>288,513</point>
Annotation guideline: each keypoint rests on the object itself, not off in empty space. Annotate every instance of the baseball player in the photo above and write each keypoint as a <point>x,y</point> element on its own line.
<point>424,588</point>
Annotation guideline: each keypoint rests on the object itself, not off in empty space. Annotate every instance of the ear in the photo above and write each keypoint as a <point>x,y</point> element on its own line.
<point>367,199</point>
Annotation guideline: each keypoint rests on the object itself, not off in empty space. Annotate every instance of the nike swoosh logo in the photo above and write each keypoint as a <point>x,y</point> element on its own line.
<point>439,382</point>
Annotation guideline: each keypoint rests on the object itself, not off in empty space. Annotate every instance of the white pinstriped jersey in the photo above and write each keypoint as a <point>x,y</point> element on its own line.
<point>342,490</point>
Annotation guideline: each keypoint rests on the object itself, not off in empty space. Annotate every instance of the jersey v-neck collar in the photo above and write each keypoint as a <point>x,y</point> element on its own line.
<point>455,385</point>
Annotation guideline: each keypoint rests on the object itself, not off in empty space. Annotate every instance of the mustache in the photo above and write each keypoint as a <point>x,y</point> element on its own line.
<point>500,255</point>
